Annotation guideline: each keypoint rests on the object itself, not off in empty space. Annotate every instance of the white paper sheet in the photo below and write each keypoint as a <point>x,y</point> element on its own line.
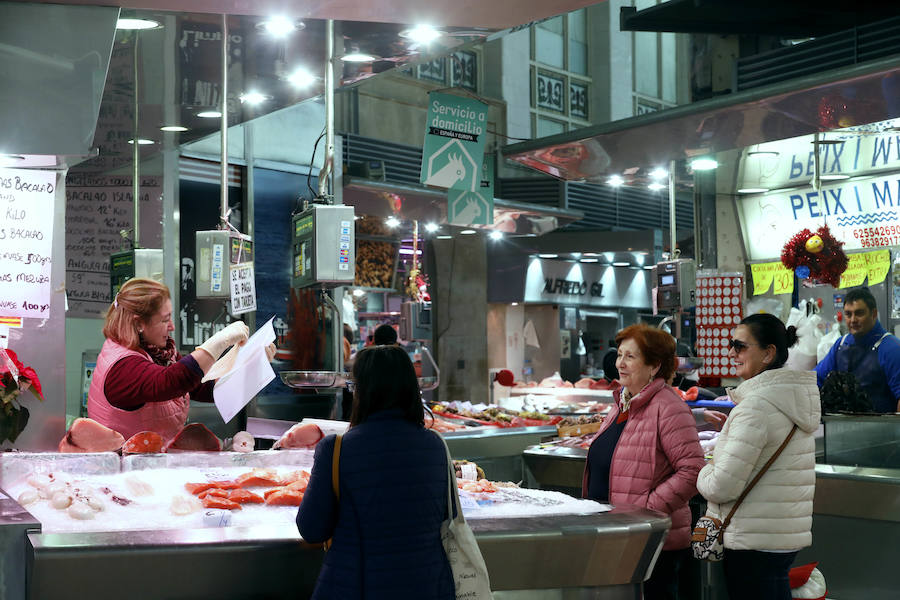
<point>247,370</point>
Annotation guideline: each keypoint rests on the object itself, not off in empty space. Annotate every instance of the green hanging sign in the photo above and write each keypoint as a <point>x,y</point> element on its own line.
<point>465,207</point>
<point>454,142</point>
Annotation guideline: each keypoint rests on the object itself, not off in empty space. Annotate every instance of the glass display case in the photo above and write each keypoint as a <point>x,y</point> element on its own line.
<point>863,440</point>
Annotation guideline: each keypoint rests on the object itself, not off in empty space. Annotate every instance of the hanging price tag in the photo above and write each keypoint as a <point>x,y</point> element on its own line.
<point>856,272</point>
<point>877,265</point>
<point>243,289</point>
<point>783,279</point>
<point>763,274</point>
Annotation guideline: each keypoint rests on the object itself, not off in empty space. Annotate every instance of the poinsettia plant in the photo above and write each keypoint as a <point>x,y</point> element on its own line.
<point>15,378</point>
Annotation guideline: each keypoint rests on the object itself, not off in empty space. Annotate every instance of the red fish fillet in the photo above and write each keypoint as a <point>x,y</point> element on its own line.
<point>258,478</point>
<point>145,442</point>
<point>87,435</point>
<point>195,437</point>
<point>197,488</point>
<point>213,492</point>
<point>244,496</point>
<point>216,502</point>
<point>284,497</point>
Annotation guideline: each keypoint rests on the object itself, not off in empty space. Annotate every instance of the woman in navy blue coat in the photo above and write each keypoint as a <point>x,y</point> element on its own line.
<point>385,531</point>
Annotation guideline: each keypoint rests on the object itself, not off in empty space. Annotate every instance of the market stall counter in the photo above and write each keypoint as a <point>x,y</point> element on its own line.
<point>143,539</point>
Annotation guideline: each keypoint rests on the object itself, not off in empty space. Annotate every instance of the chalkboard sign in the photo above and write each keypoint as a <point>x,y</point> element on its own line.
<point>26,241</point>
<point>98,208</point>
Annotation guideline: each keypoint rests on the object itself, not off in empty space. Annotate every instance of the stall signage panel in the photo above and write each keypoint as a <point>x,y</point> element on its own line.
<point>454,142</point>
<point>796,159</point>
<point>243,289</point>
<point>863,214</point>
<point>560,282</point>
<point>719,311</point>
<point>474,208</point>
<point>26,241</point>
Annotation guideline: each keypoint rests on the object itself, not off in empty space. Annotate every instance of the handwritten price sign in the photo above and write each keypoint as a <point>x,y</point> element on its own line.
<point>765,274</point>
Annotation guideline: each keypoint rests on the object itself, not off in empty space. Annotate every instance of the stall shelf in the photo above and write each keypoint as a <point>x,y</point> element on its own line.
<point>498,451</point>
<point>597,555</point>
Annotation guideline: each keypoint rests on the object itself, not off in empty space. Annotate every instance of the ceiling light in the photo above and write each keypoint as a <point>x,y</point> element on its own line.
<point>548,255</point>
<point>280,26</point>
<point>142,142</point>
<point>704,164</point>
<point>176,128</point>
<point>409,251</point>
<point>515,304</point>
<point>590,260</point>
<point>752,190</point>
<point>762,153</point>
<point>591,254</point>
<point>358,292</point>
<point>467,232</point>
<point>833,177</point>
<point>444,237</point>
<point>496,235</point>
<point>392,221</point>
<point>658,173</point>
<point>422,34</point>
<point>648,267</point>
<point>358,57</point>
<point>615,181</point>
<point>209,114</point>
<point>252,98</point>
<point>136,24</point>
<point>656,186</point>
<point>301,78</point>
<point>431,227</point>
<point>621,263</point>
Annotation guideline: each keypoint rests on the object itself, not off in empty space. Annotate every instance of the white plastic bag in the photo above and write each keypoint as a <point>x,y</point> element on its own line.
<point>827,342</point>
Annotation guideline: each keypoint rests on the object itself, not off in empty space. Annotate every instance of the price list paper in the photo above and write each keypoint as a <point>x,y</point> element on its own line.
<point>26,242</point>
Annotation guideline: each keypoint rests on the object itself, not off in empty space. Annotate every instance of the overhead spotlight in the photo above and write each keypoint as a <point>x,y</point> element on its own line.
<point>209,114</point>
<point>590,260</point>
<point>141,142</point>
<point>658,173</point>
<point>444,237</point>
<point>280,26</point>
<point>591,254</point>
<point>392,221</point>
<point>656,186</point>
<point>548,255</point>
<point>615,181</point>
<point>648,267</point>
<point>431,227</point>
<point>301,78</point>
<point>422,34</point>
<point>253,98</point>
<point>359,57</point>
<point>132,24</point>
<point>752,190</point>
<point>704,164</point>
<point>358,292</point>
<point>496,235</point>
<point>467,232</point>
<point>175,128</point>
<point>621,263</point>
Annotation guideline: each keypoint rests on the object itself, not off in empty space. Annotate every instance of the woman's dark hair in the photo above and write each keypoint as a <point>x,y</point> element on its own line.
<point>768,330</point>
<point>384,378</point>
<point>657,347</point>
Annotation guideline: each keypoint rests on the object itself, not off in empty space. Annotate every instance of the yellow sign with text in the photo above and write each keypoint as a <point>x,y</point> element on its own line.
<point>878,264</point>
<point>765,274</point>
<point>857,271</point>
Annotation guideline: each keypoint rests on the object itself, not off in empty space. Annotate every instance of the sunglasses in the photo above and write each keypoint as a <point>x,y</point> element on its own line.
<point>738,346</point>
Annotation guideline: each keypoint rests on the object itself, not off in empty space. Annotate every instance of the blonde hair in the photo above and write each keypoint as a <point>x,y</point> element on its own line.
<point>137,301</point>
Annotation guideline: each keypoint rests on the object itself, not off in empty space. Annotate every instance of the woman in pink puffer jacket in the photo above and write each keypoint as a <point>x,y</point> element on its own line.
<point>648,453</point>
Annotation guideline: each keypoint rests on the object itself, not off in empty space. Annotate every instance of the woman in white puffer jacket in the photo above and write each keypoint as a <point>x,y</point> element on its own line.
<point>775,519</point>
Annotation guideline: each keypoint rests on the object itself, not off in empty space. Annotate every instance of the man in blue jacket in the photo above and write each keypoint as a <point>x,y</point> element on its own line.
<point>869,352</point>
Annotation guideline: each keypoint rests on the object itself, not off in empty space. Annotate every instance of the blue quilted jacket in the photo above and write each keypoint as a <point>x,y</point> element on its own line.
<point>386,528</point>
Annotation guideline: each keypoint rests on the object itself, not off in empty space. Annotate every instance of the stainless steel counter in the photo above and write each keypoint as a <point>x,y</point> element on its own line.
<point>498,451</point>
<point>552,467</point>
<point>602,556</point>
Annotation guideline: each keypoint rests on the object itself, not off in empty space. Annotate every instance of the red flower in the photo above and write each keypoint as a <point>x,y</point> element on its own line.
<point>25,373</point>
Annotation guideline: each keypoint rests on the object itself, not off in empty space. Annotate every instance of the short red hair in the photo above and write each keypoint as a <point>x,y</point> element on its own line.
<point>657,347</point>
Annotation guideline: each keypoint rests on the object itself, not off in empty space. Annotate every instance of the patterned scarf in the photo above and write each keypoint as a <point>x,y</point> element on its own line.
<point>161,356</point>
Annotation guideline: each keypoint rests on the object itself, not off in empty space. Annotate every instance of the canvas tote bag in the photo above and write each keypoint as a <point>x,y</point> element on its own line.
<point>470,574</point>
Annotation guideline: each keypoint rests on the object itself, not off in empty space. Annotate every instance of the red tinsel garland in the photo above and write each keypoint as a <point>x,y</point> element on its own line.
<point>826,265</point>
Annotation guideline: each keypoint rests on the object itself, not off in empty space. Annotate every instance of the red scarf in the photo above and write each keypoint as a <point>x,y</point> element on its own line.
<point>162,356</point>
